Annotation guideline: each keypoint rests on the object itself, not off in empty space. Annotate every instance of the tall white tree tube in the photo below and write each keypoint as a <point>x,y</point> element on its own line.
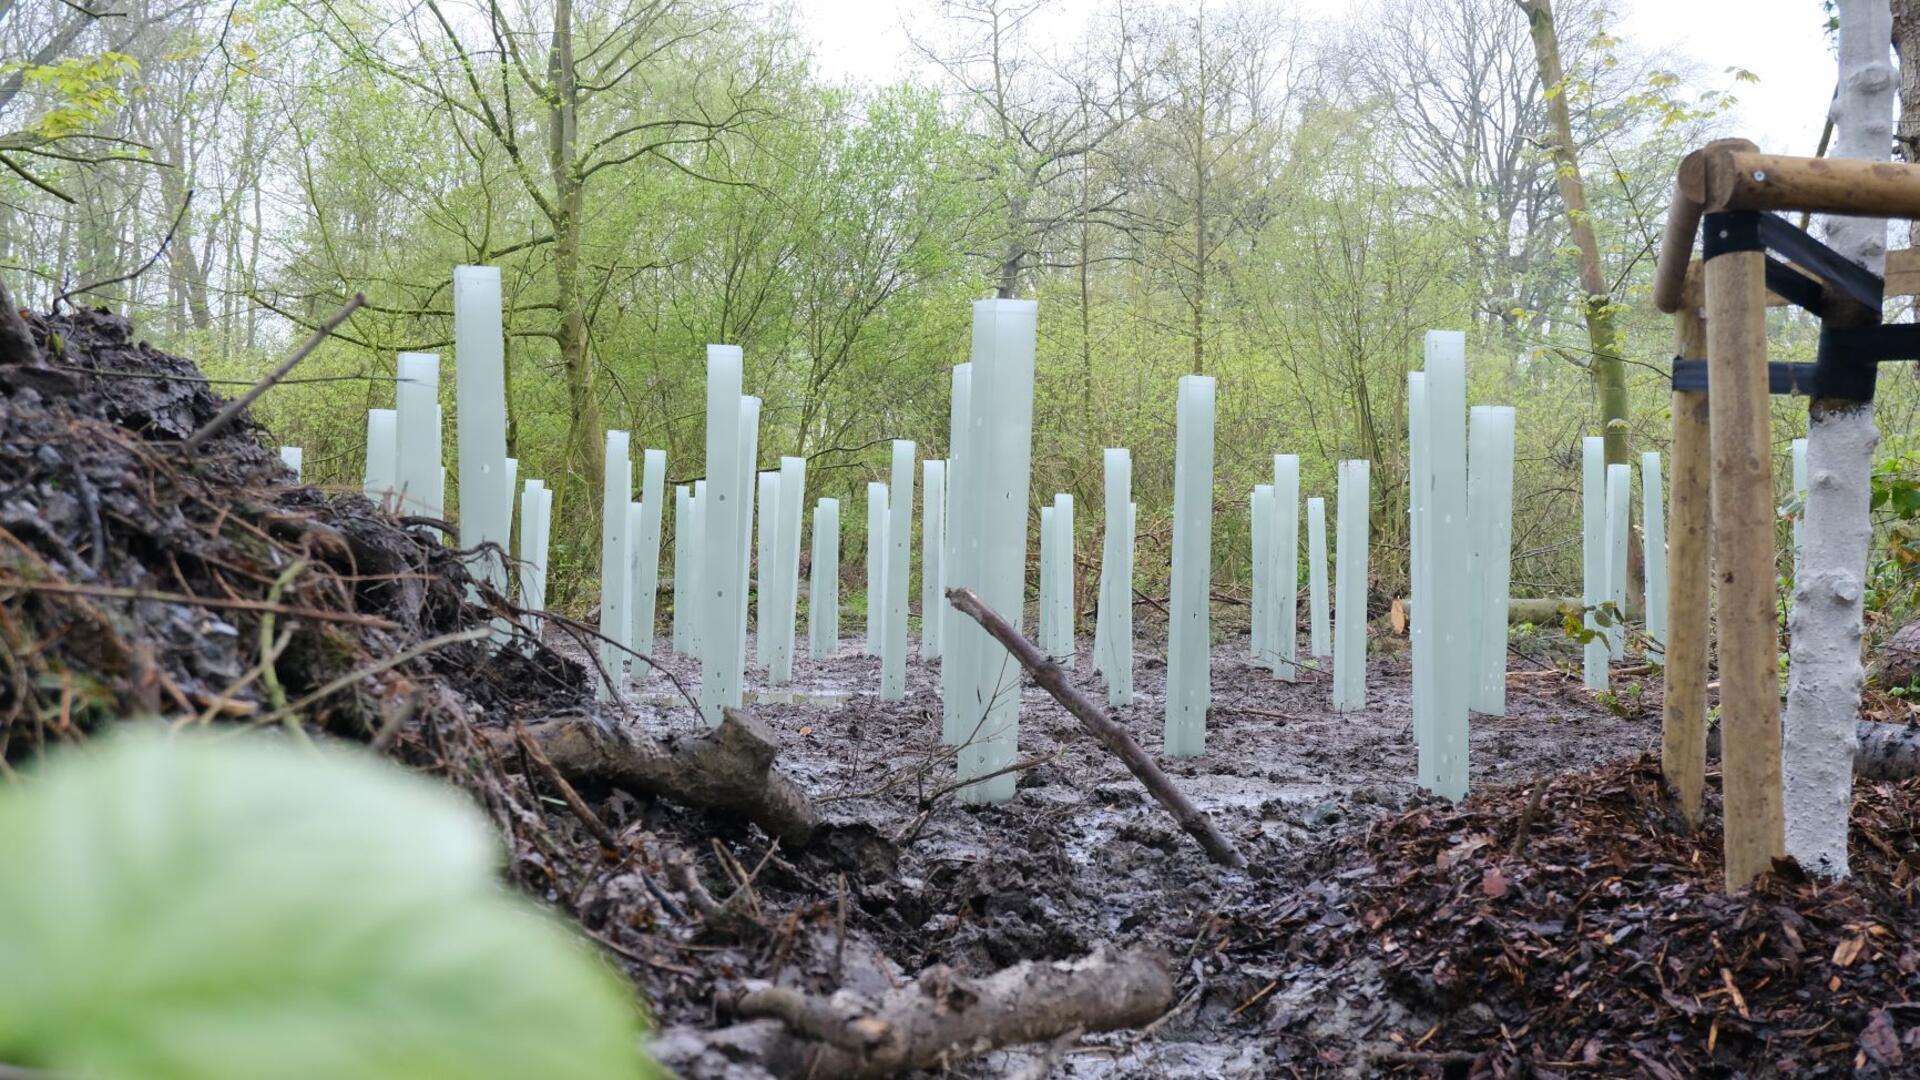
<point>1350,587</point>
<point>416,398</point>
<point>1063,591</point>
<point>1045,632</point>
<point>876,567</point>
<point>1490,513</point>
<point>480,404</point>
<point>614,549</point>
<point>1320,622</point>
<point>1190,623</point>
<point>993,551</point>
<point>1115,646</point>
<point>1653,525</point>
<point>1261,518</point>
<point>1283,571</point>
<point>749,456</point>
<point>823,595</point>
<point>765,592</point>
<point>1593,556</point>
<point>1825,675</point>
<point>953,671</point>
<point>1619,499</point>
<point>786,555</point>
<point>721,551</point>
<point>682,571</point>
<point>646,555</point>
<point>383,456</point>
<point>893,655</point>
<point>933,550</point>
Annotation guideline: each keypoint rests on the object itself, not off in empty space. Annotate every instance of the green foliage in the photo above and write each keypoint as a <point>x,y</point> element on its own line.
<point>82,90</point>
<point>235,907</point>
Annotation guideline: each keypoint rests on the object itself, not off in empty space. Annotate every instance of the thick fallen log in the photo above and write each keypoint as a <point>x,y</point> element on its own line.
<point>939,1020</point>
<point>728,770</point>
<point>1886,751</point>
<point>1095,719</point>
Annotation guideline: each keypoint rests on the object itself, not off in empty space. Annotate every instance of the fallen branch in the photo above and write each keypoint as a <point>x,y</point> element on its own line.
<point>1095,719</point>
<point>729,770</point>
<point>939,1020</point>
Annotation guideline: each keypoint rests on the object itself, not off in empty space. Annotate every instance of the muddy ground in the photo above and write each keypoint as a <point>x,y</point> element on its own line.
<point>1082,856</point>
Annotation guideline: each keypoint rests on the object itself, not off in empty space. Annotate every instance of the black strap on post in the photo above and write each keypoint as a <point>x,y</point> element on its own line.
<point>1783,378</point>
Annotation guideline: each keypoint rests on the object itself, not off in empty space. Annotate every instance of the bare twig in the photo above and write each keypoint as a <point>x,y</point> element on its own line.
<point>1095,719</point>
<point>238,405</point>
<point>165,242</point>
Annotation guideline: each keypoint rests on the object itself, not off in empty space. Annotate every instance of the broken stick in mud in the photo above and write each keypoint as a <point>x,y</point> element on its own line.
<point>941,1018</point>
<point>1095,719</point>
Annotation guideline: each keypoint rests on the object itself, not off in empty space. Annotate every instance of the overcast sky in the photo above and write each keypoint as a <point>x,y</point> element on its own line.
<point>1781,41</point>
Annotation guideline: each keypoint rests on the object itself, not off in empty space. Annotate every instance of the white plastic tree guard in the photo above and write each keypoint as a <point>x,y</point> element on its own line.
<point>1065,584</point>
<point>990,514</point>
<point>952,673</point>
<point>876,567</point>
<point>1261,520</point>
<point>697,619</point>
<point>645,582</point>
<point>383,456</point>
<point>1113,645</point>
<point>1049,551</point>
<point>1619,498</point>
<point>513,485</point>
<point>1593,550</point>
<point>417,437</point>
<point>933,543</point>
<point>893,654</point>
<point>1653,527</point>
<point>786,554</point>
<point>749,455</point>
<point>766,593</point>
<point>1445,559</point>
<point>1350,587</point>
<point>721,552</point>
<point>1420,574</point>
<point>614,557</point>
<point>1490,524</point>
<point>682,534</point>
<point>480,404</point>
<point>536,512</point>
<point>290,456</point>
<point>823,592</point>
<point>1319,619</point>
<point>1190,623</point>
<point>1798,459</point>
<point>1283,620</point>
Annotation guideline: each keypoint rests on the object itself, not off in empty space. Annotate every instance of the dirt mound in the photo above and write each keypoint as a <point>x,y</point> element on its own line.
<point>1586,932</point>
<point>137,580</point>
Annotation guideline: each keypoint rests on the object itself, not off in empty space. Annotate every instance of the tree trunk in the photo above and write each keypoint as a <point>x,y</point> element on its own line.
<point>1826,676</point>
<point>1597,303</point>
<point>584,447</point>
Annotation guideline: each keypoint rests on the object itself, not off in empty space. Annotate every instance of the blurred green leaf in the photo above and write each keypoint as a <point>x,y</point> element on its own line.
<point>238,907</point>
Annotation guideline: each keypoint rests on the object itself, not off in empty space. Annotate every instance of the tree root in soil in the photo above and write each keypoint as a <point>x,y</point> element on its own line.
<point>729,770</point>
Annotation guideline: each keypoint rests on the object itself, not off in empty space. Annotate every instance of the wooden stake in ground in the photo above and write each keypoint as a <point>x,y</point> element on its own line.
<point>1744,558</point>
<point>1683,739</point>
<point>1095,719</point>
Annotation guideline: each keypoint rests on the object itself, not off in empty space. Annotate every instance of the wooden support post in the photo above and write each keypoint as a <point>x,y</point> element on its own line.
<point>1683,743</point>
<point>1744,561</point>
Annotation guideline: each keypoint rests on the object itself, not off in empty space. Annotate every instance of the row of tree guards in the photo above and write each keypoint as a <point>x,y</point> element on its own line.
<point>973,533</point>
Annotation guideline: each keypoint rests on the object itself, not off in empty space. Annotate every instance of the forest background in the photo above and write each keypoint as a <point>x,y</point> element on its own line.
<point>1282,203</point>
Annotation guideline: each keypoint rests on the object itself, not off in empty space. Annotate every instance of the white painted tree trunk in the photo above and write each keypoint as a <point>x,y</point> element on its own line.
<point>1825,676</point>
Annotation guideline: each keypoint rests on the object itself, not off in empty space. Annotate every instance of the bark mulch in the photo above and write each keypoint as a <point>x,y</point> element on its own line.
<point>1586,933</point>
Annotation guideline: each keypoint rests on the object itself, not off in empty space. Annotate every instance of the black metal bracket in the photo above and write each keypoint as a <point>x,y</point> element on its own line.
<point>1819,280</point>
<point>1810,269</point>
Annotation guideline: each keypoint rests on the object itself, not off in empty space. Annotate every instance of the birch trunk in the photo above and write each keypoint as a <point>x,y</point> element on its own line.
<point>1826,676</point>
